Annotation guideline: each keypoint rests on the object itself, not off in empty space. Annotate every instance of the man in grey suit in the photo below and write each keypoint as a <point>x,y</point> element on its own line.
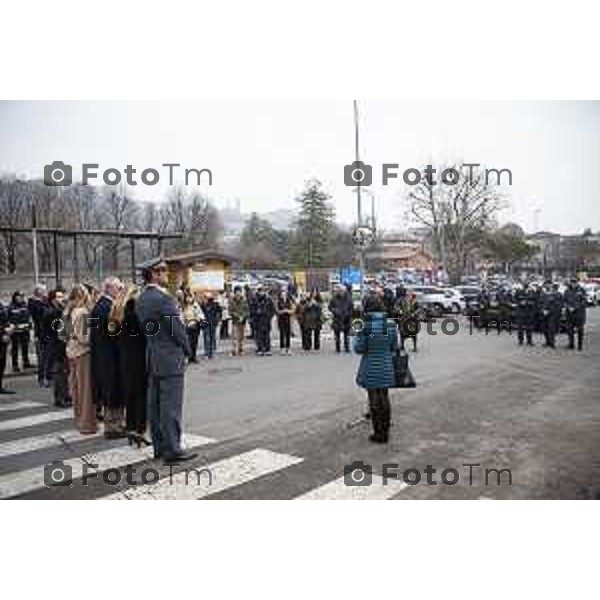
<point>167,347</point>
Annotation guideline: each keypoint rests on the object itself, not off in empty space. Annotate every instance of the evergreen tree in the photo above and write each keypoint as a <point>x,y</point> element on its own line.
<point>314,226</point>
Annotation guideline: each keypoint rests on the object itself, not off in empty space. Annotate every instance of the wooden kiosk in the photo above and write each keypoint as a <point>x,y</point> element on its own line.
<point>201,271</point>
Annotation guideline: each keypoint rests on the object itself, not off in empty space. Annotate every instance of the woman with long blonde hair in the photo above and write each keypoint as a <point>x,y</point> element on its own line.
<point>132,364</point>
<point>78,356</point>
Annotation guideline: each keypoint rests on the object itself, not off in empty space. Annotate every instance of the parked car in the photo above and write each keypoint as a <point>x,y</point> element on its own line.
<point>469,292</point>
<point>454,301</point>
<point>592,291</point>
<point>433,300</point>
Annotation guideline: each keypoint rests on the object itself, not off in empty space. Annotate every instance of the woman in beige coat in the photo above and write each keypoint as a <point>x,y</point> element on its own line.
<point>78,355</point>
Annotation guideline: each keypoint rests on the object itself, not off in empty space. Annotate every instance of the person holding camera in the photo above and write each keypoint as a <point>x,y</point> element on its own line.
<point>377,344</point>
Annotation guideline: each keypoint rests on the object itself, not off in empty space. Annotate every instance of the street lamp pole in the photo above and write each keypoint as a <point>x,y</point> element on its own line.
<point>357,158</point>
<point>361,252</point>
<point>36,269</point>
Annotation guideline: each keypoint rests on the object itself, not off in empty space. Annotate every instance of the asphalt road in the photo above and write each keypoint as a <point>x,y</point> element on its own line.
<point>285,427</point>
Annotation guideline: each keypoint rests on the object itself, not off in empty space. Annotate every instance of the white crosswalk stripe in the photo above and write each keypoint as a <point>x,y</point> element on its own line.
<point>21,482</point>
<point>190,482</point>
<point>47,417</point>
<point>338,490</point>
<point>40,442</point>
<point>19,406</point>
<point>226,474</point>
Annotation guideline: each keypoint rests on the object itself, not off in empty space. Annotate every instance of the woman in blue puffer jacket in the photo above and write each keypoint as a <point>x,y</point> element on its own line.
<point>377,342</point>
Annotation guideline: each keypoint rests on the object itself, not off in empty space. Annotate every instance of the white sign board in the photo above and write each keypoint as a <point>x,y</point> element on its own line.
<point>208,280</point>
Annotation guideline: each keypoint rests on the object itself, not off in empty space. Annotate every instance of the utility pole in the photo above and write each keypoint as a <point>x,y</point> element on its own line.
<point>361,251</point>
<point>36,268</point>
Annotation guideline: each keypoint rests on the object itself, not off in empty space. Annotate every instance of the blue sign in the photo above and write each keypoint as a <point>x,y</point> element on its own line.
<point>350,275</point>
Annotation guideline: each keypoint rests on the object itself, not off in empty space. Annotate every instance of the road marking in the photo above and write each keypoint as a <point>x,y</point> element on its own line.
<point>22,482</point>
<point>43,441</point>
<point>226,474</point>
<point>47,417</point>
<point>338,490</point>
<point>20,405</point>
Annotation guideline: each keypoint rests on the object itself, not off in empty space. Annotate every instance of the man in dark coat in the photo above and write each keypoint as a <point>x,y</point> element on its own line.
<point>576,307</point>
<point>341,307</point>
<point>551,305</point>
<point>525,310</point>
<point>38,304</point>
<point>5,327</point>
<point>107,387</point>
<point>264,311</point>
<point>56,348</point>
<point>212,313</point>
<point>20,319</point>
<point>313,315</point>
<point>167,347</point>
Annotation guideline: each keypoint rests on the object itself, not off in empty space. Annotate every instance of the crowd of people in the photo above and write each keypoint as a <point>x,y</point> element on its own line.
<point>95,352</point>
<point>532,308</point>
<point>252,313</point>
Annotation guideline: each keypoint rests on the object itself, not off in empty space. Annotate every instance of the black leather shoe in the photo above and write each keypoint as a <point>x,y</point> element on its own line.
<point>6,392</point>
<point>182,457</point>
<point>114,435</point>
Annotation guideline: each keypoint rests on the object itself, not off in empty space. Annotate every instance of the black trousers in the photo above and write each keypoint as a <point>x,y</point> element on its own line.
<point>3,347</point>
<point>525,330</point>
<point>338,333</point>
<point>19,340</point>
<point>224,333</point>
<point>285,332</point>
<point>263,337</point>
<point>165,403</point>
<point>304,336</point>
<point>193,333</point>
<point>380,409</point>
<point>313,339</point>
<point>550,330</point>
<point>60,374</point>
<point>572,327</point>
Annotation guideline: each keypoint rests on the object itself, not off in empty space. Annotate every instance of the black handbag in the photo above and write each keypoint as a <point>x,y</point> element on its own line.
<point>403,375</point>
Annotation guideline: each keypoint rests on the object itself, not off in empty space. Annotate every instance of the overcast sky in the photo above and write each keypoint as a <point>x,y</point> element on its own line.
<point>262,152</point>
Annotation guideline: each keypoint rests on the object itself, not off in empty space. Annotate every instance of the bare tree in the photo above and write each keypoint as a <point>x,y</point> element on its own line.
<point>13,213</point>
<point>456,214</point>
<point>119,211</point>
<point>195,217</point>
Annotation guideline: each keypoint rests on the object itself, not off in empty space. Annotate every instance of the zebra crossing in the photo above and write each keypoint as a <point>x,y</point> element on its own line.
<point>194,482</point>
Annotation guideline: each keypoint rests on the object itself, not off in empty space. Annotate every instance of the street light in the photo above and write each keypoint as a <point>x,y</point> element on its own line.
<point>361,252</point>
<point>36,269</point>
